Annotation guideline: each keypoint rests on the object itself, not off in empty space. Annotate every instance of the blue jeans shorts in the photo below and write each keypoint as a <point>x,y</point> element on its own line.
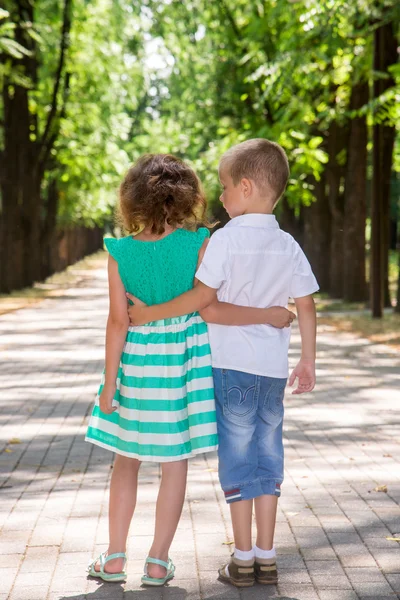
<point>249,420</point>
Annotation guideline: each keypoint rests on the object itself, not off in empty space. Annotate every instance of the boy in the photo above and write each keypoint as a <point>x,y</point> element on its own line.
<point>251,262</point>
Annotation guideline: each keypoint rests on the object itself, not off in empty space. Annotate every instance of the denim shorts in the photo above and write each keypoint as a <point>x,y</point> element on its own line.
<point>249,421</point>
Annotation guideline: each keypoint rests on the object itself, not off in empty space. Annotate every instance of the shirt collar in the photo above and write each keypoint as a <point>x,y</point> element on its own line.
<point>254,220</point>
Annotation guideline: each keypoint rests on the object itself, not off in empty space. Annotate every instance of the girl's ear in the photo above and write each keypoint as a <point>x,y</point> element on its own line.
<point>246,187</point>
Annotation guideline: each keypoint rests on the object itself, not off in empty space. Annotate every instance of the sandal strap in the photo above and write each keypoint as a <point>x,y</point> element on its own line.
<point>102,561</point>
<point>157,561</point>
<point>115,555</point>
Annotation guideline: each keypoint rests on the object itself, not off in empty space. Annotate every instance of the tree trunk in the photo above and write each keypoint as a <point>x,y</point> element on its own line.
<point>335,173</point>
<point>397,307</point>
<point>20,180</point>
<point>317,234</point>
<point>26,155</point>
<point>354,281</point>
<point>385,55</point>
<point>290,222</point>
<point>49,236</point>
<point>19,190</point>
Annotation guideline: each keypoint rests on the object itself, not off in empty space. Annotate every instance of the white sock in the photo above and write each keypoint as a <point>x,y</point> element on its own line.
<point>244,554</point>
<point>259,553</point>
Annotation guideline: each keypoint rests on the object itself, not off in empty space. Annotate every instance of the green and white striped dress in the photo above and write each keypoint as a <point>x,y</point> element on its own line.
<point>165,395</point>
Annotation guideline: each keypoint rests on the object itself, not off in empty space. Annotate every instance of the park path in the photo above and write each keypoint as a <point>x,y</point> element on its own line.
<point>342,445</point>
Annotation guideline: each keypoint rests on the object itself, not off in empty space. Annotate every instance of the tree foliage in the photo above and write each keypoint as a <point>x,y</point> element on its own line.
<point>110,79</point>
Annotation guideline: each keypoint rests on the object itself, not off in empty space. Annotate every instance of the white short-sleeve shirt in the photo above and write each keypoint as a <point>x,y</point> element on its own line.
<point>252,262</point>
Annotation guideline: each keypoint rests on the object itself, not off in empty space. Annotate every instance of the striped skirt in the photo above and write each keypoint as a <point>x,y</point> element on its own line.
<point>165,394</point>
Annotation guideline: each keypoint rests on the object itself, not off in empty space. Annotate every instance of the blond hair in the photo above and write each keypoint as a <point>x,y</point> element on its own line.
<point>260,160</point>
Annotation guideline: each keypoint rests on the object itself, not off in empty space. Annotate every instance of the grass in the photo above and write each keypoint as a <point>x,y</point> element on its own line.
<point>53,286</point>
<point>326,304</point>
<point>378,331</point>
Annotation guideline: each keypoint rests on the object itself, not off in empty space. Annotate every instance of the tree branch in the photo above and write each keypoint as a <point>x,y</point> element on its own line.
<point>239,37</point>
<point>53,137</point>
<point>48,140</point>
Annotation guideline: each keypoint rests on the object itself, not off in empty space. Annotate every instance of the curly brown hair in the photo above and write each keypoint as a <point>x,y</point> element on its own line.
<point>161,188</point>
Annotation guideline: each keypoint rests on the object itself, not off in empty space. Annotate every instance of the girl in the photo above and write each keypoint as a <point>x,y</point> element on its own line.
<point>156,399</point>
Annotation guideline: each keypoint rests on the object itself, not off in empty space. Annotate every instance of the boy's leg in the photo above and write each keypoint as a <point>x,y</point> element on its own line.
<point>242,516</point>
<point>168,512</point>
<point>270,473</point>
<point>265,511</point>
<point>236,403</point>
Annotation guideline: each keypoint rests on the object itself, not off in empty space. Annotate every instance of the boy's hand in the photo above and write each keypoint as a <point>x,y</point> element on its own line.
<point>106,398</point>
<point>279,317</point>
<point>136,312</point>
<point>305,373</point>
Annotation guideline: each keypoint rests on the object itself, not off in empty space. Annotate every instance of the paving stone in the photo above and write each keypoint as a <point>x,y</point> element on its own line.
<point>323,567</point>
<point>7,578</point>
<point>257,592</point>
<point>292,561</point>
<point>394,581</point>
<point>30,592</point>
<point>361,559</point>
<point>337,594</point>
<point>34,578</point>
<point>373,589</point>
<point>331,581</point>
<point>10,560</point>
<point>364,575</point>
<point>391,597</point>
<point>297,592</point>
<point>389,561</point>
<point>289,576</point>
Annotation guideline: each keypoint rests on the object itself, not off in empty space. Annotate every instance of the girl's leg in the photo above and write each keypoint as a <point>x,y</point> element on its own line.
<point>123,491</point>
<point>170,500</point>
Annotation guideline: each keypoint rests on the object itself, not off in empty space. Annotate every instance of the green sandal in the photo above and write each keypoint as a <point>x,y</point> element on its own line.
<point>103,559</point>
<point>158,581</point>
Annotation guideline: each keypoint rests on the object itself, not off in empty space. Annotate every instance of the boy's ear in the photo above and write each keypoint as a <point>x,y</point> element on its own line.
<point>246,186</point>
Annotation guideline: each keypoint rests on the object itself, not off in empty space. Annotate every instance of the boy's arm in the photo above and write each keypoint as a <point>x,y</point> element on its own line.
<point>305,369</point>
<point>191,301</point>
<point>224,313</point>
<point>117,326</point>
<point>204,299</point>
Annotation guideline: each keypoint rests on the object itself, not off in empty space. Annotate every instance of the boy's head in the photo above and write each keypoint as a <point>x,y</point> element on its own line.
<point>254,175</point>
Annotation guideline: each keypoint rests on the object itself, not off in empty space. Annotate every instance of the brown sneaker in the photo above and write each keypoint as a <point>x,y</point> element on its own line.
<point>265,571</point>
<point>241,572</point>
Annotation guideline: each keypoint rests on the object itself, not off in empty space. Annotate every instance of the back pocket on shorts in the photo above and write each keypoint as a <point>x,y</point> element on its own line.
<point>240,393</point>
<point>273,400</point>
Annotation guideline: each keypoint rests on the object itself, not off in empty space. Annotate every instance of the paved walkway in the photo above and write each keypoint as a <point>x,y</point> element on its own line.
<point>342,446</point>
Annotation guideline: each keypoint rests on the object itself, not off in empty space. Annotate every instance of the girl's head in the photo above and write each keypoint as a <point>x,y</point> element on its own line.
<point>159,189</point>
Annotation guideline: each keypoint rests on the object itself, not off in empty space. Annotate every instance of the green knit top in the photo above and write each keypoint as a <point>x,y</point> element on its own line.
<point>158,271</point>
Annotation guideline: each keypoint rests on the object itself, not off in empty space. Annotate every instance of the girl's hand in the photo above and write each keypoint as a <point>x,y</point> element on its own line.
<point>106,398</point>
<point>279,317</point>
<point>136,312</point>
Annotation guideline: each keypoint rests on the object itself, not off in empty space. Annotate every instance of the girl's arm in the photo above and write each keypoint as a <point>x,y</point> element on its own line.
<point>117,326</point>
<point>194,300</point>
